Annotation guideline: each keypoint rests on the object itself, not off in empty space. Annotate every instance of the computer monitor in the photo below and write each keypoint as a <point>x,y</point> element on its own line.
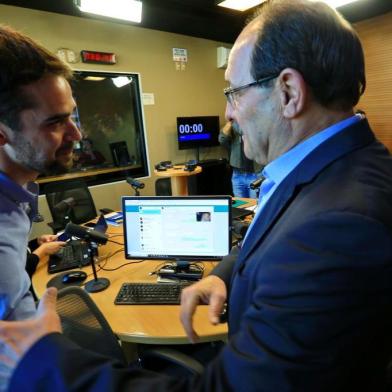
<point>183,229</point>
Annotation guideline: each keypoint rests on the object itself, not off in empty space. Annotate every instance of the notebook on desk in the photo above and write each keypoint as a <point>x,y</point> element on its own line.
<point>76,253</point>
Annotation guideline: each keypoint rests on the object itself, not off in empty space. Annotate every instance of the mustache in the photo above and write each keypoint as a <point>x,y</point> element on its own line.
<point>237,128</point>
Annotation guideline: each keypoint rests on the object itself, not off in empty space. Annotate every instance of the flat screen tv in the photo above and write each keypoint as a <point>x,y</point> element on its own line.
<point>199,131</point>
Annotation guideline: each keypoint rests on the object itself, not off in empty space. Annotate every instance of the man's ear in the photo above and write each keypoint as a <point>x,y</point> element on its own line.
<point>4,134</point>
<point>293,92</point>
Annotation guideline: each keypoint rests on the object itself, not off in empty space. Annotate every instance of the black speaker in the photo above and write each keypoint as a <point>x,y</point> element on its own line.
<point>120,153</point>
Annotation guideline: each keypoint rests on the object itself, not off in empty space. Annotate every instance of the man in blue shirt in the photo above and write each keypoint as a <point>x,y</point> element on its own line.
<point>309,295</point>
<point>36,133</point>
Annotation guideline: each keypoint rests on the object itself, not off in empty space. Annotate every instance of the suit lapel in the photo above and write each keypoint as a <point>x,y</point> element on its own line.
<point>356,136</point>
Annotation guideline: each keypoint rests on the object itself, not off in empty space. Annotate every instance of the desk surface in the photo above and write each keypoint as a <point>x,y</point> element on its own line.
<point>150,324</point>
<point>178,178</point>
<point>84,173</point>
<point>177,171</point>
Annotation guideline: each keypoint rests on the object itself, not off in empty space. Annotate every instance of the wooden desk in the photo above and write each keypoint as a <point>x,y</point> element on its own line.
<point>148,324</point>
<point>178,178</point>
<point>85,173</point>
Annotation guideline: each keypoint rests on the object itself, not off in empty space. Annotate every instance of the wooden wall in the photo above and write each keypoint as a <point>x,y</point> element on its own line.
<point>376,37</point>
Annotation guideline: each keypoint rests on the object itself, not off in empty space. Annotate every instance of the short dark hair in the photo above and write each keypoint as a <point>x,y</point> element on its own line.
<point>22,61</point>
<point>318,42</point>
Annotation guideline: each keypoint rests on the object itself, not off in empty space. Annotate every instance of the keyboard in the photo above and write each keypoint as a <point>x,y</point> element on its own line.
<point>75,254</point>
<point>150,293</point>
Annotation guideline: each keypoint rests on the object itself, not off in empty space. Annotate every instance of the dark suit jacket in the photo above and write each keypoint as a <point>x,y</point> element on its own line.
<point>310,306</point>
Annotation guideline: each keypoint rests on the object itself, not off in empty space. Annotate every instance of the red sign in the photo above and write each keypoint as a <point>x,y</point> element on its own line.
<point>89,56</point>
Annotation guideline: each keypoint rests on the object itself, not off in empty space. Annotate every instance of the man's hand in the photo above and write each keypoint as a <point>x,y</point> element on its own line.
<point>210,290</point>
<point>46,238</point>
<point>49,248</point>
<point>17,337</point>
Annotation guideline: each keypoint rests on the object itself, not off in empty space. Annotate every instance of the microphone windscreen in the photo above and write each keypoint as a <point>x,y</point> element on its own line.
<point>85,233</point>
<point>137,184</point>
<point>256,183</point>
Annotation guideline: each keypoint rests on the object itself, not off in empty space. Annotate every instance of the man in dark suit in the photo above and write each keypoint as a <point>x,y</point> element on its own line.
<point>310,294</point>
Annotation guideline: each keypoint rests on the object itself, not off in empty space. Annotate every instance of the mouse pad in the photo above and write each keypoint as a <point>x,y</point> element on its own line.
<point>57,281</point>
<point>237,203</point>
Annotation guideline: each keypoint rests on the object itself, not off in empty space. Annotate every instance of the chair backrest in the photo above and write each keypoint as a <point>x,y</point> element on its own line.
<point>82,209</point>
<point>163,187</point>
<point>84,324</point>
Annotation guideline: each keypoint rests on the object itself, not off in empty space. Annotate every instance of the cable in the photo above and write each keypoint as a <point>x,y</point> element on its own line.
<point>115,235</point>
<point>115,242</point>
<point>122,265</point>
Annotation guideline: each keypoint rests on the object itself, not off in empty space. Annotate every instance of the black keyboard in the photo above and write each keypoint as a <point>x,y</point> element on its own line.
<point>150,293</point>
<point>75,254</point>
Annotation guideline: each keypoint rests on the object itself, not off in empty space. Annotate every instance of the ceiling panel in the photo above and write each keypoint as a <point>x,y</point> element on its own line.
<point>199,18</point>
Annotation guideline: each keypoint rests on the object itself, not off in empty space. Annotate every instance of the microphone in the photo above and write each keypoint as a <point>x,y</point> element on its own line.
<point>65,204</point>
<point>256,183</point>
<point>240,228</point>
<point>135,183</point>
<point>86,234</point>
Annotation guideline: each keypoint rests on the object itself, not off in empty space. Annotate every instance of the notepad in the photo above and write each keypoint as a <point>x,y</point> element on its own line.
<point>114,218</point>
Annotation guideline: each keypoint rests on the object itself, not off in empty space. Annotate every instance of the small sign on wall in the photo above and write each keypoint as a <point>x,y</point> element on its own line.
<point>180,55</point>
<point>148,99</point>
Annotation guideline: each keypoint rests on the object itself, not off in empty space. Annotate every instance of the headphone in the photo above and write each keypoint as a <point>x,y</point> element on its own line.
<point>163,165</point>
<point>190,165</point>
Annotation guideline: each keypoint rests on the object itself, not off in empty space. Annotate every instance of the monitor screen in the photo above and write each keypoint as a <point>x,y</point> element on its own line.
<point>189,227</point>
<point>193,132</point>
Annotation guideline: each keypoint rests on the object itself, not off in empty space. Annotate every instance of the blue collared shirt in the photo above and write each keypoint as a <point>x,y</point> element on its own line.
<point>17,207</point>
<point>277,170</point>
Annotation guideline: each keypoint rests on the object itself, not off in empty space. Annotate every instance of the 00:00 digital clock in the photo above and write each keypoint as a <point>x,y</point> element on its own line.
<point>190,128</point>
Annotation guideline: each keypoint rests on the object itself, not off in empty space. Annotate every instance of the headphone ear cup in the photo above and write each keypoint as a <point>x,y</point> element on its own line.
<point>160,167</point>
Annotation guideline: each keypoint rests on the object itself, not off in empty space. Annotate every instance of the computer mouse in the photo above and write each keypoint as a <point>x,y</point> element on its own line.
<point>75,276</point>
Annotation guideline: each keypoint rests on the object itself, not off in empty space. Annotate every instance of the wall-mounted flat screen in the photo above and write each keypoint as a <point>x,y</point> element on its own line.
<point>198,131</point>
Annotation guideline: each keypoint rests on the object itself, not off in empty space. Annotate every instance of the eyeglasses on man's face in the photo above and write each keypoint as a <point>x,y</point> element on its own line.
<point>230,93</point>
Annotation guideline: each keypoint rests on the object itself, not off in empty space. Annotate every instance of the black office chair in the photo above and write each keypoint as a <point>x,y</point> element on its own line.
<point>163,187</point>
<point>182,360</point>
<point>84,324</point>
<point>70,201</point>
<point>170,361</point>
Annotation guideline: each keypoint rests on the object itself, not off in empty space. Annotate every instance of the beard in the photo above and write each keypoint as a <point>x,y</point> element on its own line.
<point>26,154</point>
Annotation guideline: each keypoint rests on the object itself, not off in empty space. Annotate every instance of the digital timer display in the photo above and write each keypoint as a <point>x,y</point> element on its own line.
<point>194,132</point>
<point>190,128</point>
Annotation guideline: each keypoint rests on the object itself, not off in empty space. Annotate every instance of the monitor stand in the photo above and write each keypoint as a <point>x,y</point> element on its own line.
<point>182,270</point>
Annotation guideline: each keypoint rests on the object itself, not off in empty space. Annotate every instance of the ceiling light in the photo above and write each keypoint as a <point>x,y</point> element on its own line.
<point>243,5</point>
<point>94,78</point>
<point>240,5</point>
<point>338,3</point>
<point>130,10</point>
<point>120,81</point>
